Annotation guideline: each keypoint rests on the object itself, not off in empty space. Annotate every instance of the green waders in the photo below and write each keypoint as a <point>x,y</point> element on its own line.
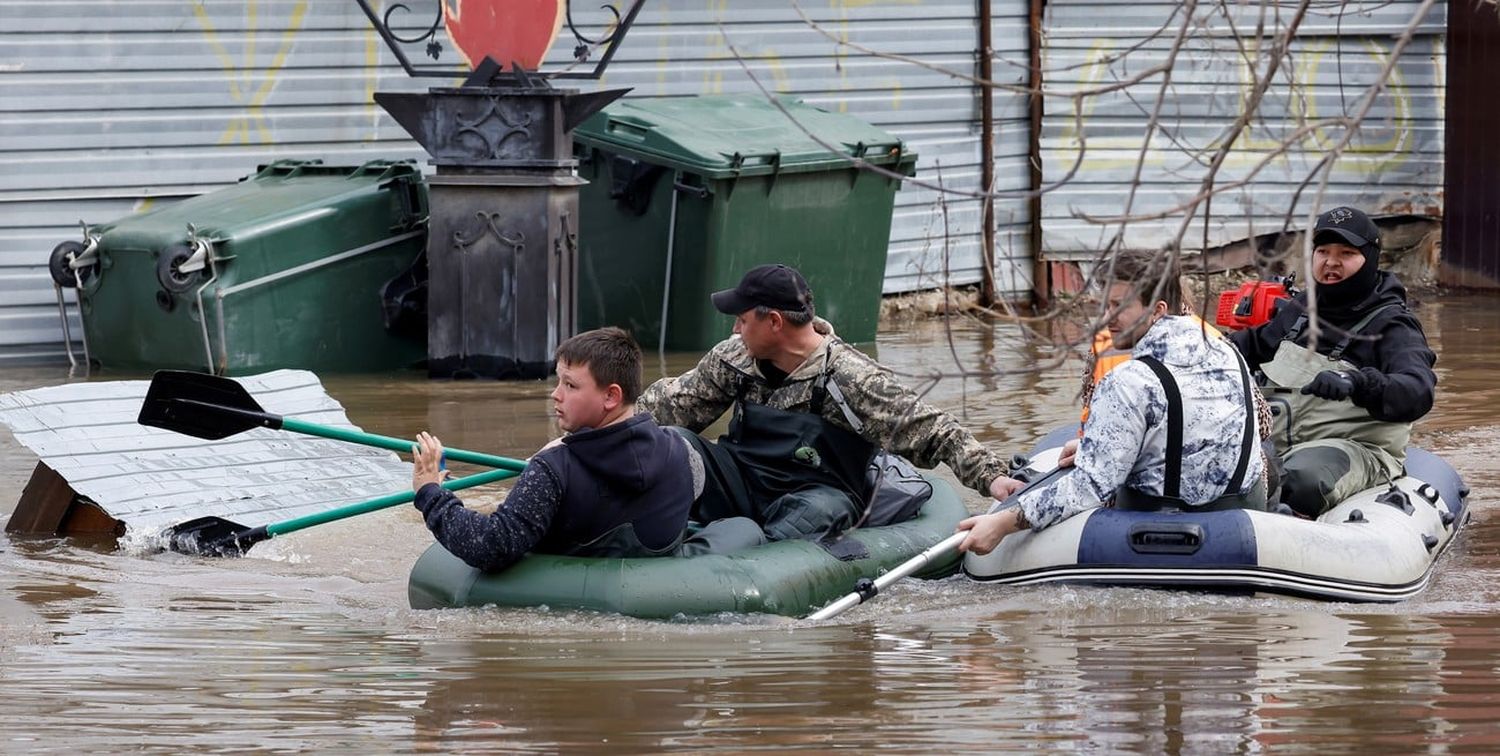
<point>1330,449</point>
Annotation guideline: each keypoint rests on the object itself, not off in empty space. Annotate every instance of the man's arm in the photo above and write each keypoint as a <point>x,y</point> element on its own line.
<point>896,419</point>
<point>1258,344</point>
<point>694,399</point>
<point>495,541</point>
<point>1402,387</point>
<point>1113,438</point>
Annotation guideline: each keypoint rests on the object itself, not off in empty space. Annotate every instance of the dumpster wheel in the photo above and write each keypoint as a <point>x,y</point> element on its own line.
<point>60,265</point>
<point>169,269</point>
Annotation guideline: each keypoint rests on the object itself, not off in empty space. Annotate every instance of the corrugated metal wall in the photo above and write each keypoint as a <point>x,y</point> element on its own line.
<point>1393,166</point>
<point>110,108</point>
<point>1471,225</point>
<point>677,49</point>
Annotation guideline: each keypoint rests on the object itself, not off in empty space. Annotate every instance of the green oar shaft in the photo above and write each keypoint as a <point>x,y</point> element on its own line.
<point>396,444</point>
<point>384,502</point>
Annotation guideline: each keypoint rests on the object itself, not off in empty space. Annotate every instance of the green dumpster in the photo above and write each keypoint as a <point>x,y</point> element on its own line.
<point>686,194</point>
<point>286,268</point>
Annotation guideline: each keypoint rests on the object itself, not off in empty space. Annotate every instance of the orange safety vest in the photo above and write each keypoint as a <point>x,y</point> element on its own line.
<point>1107,358</point>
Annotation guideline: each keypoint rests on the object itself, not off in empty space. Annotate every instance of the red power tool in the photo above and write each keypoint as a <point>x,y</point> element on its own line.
<point>1253,303</point>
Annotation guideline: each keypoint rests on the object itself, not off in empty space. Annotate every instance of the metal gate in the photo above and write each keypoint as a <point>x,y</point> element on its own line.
<point>1471,226</point>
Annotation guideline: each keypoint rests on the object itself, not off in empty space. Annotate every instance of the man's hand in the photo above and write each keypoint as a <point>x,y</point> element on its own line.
<point>1069,453</point>
<point>427,461</point>
<point>1332,385</point>
<point>986,531</point>
<point>1002,487</point>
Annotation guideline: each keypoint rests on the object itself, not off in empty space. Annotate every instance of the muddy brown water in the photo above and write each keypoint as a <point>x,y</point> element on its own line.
<point>309,643</point>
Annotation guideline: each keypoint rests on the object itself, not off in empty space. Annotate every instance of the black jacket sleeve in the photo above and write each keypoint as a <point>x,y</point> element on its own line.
<point>497,540</point>
<point>1258,345</point>
<point>1401,385</point>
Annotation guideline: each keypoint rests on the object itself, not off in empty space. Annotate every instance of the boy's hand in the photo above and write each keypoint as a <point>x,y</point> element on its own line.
<point>427,461</point>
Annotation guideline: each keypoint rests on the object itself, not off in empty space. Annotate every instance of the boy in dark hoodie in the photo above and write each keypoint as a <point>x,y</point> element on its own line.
<point>1342,408</point>
<point>617,485</point>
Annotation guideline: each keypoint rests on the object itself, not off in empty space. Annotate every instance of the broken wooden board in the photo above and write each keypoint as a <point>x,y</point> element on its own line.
<point>49,506</point>
<point>149,479</point>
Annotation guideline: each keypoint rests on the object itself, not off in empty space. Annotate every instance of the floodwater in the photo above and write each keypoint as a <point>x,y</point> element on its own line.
<point>308,644</point>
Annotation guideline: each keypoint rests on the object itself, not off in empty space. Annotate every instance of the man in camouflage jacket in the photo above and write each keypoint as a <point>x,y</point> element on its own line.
<point>781,357</point>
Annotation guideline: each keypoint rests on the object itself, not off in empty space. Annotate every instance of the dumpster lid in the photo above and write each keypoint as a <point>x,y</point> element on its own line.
<point>282,192</point>
<point>743,135</point>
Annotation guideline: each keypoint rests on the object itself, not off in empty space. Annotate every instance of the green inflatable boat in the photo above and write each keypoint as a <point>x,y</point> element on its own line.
<point>790,578</point>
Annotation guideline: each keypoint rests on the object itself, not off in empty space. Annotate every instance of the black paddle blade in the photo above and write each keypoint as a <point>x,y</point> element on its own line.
<point>213,536</point>
<point>201,405</point>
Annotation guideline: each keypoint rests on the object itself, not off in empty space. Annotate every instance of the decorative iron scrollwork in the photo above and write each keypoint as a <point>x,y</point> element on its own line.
<point>614,32</point>
<point>434,47</point>
<point>581,50</point>
<point>464,241</point>
<point>493,136</point>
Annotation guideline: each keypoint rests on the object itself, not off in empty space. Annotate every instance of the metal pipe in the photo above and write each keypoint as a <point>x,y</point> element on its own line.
<point>90,247</point>
<point>62,314</point>
<point>666,287</point>
<point>223,293</point>
<point>223,330</point>
<point>1041,277</point>
<point>320,263</point>
<point>987,294</point>
<point>910,567</point>
<point>88,359</point>
<point>208,349</point>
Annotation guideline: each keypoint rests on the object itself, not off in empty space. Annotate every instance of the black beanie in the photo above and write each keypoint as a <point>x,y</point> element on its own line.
<point>1346,225</point>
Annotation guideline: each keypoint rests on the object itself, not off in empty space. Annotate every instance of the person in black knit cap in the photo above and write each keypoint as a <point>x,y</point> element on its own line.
<point>1342,408</point>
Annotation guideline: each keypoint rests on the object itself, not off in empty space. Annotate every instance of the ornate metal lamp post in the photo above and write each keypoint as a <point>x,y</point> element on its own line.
<point>502,237</point>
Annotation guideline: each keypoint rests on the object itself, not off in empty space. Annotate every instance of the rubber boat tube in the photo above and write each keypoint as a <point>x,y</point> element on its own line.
<point>1379,545</point>
<point>787,577</point>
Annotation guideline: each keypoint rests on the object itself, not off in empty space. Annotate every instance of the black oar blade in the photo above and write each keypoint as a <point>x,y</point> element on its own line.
<point>199,405</point>
<point>213,536</point>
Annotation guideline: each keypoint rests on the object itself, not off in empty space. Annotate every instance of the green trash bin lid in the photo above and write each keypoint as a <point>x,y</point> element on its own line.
<point>286,191</point>
<point>730,136</point>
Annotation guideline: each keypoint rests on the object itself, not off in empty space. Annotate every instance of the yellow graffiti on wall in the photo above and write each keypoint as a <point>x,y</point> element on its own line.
<point>713,76</point>
<point>1092,76</point>
<point>1394,150</point>
<point>248,85</point>
<point>846,4</point>
<point>892,85</point>
<point>1379,155</point>
<point>769,65</point>
<point>1381,144</point>
<point>372,64</point>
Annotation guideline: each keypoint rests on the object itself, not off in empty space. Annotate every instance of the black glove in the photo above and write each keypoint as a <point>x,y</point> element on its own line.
<point>1332,385</point>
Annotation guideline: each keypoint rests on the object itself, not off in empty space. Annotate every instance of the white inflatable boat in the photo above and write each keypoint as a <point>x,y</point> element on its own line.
<point>1379,545</point>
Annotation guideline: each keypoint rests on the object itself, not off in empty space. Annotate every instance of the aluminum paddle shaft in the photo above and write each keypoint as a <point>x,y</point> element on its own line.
<point>867,589</point>
<point>213,407</point>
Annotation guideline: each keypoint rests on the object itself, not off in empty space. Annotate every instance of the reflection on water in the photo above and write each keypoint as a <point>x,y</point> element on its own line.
<point>309,644</point>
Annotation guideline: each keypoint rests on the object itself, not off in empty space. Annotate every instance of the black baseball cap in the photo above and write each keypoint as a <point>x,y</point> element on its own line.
<point>1346,225</point>
<point>775,286</point>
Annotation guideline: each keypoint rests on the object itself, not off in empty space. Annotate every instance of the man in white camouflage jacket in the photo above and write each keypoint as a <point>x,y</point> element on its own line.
<point>1173,428</point>
<point>809,414</point>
